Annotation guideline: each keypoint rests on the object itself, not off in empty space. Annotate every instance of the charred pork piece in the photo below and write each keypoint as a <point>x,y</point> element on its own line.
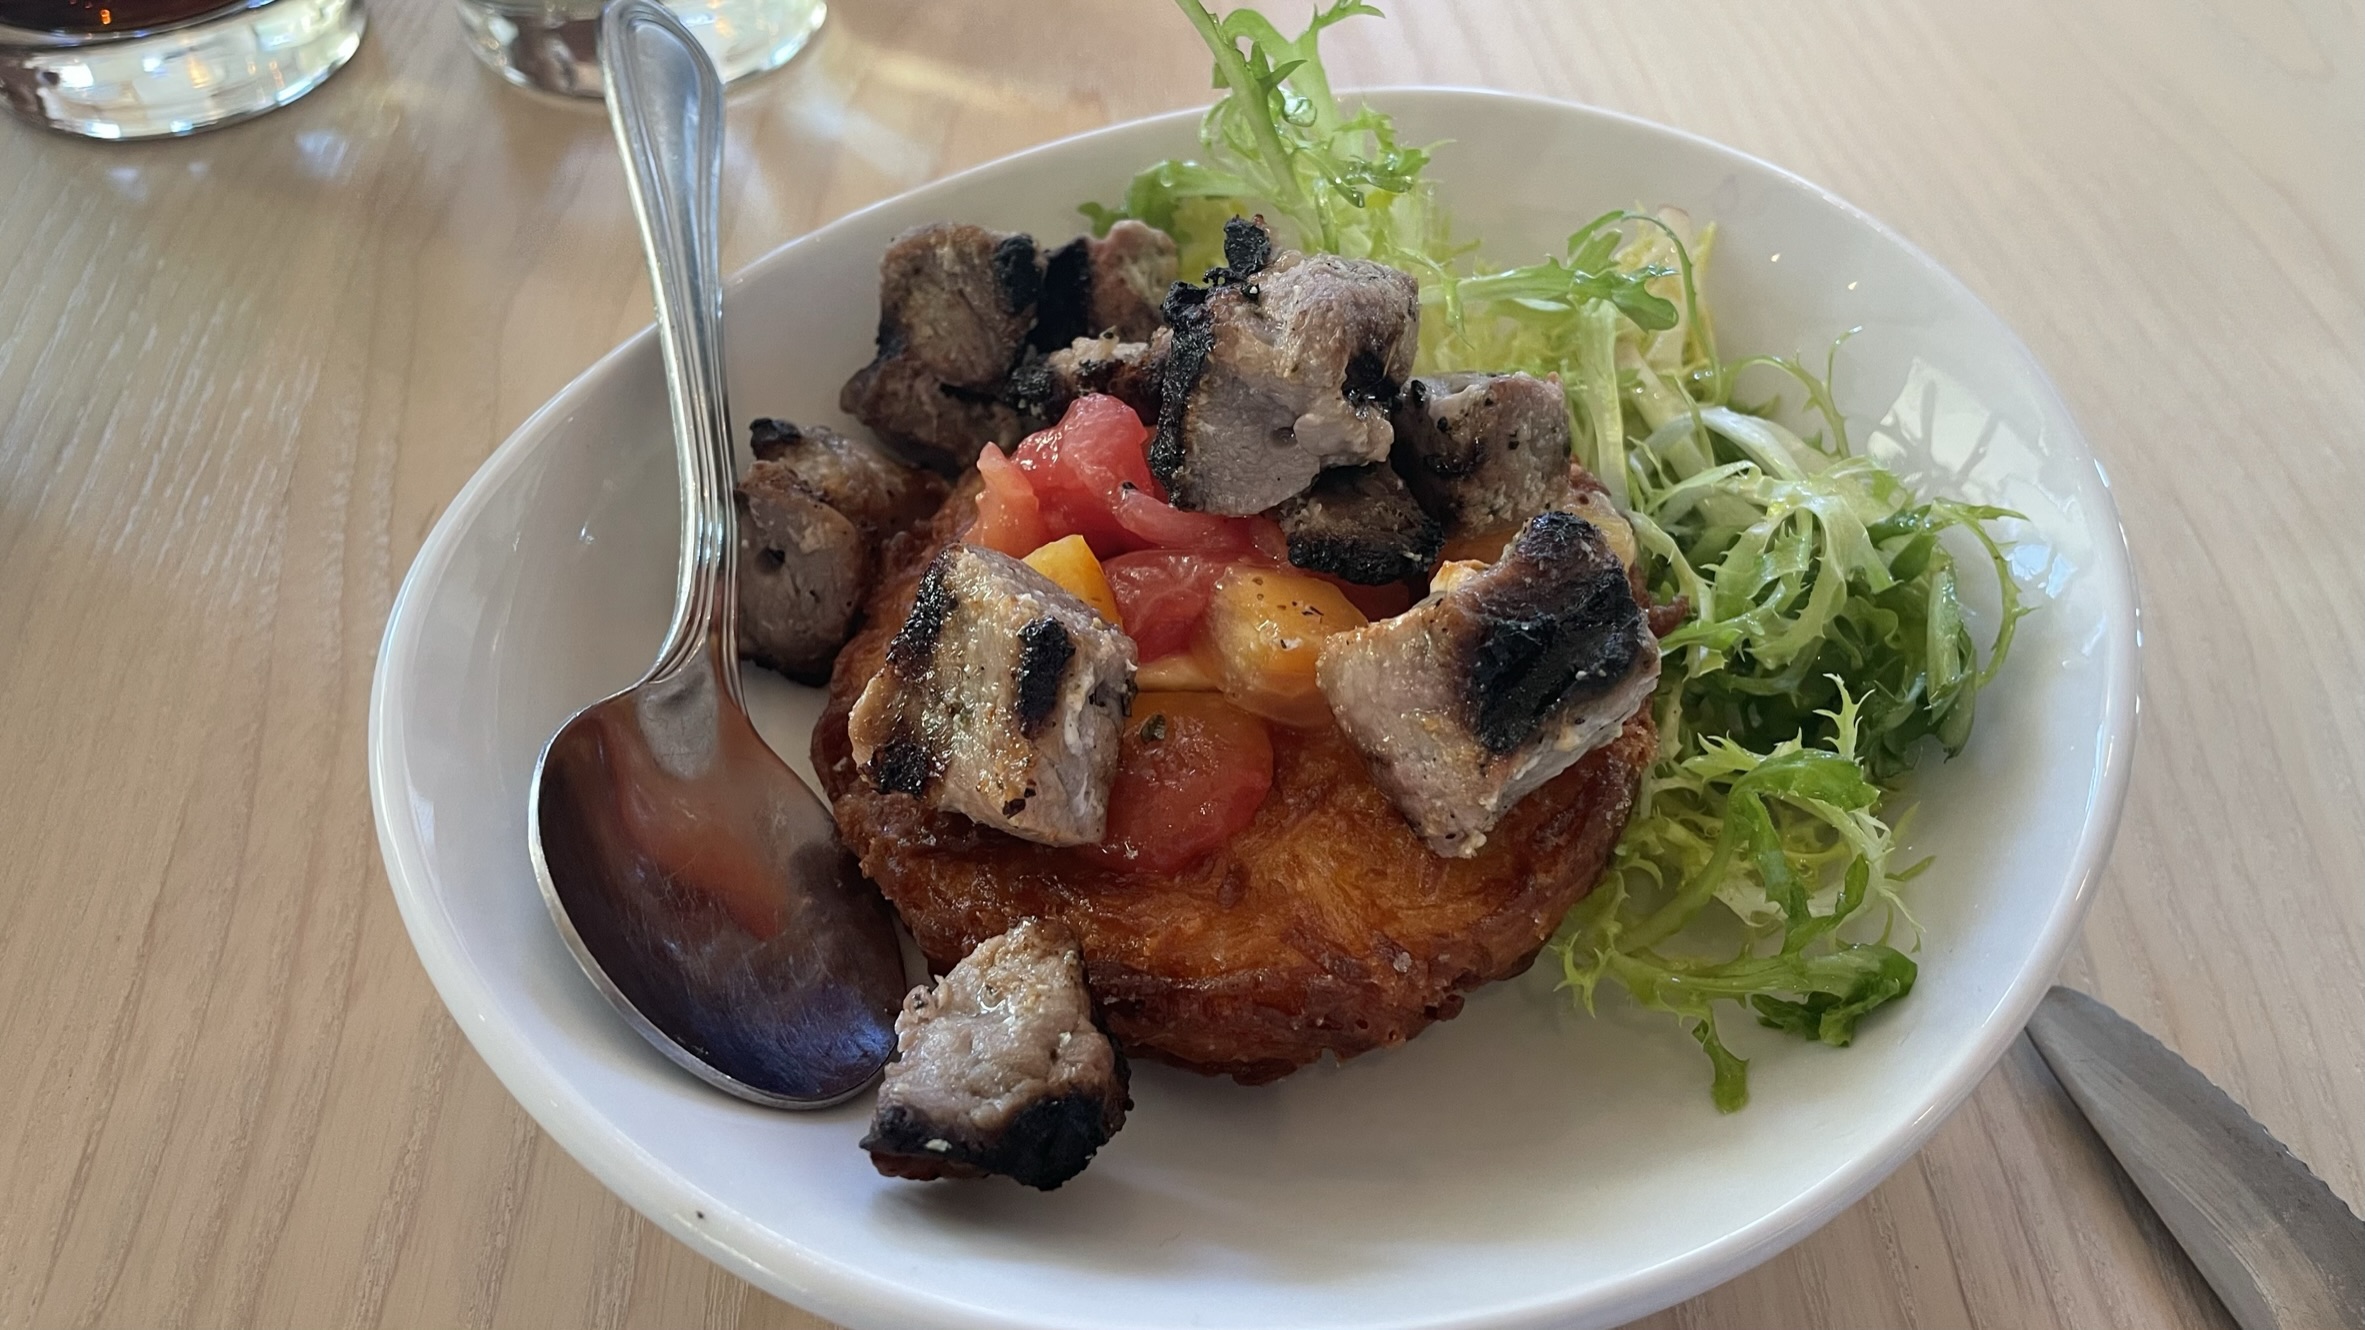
<point>956,304</point>
<point>1359,523</point>
<point>1043,387</point>
<point>1133,267</point>
<point>814,509</point>
<point>1110,284</point>
<point>1001,699</point>
<point>1483,452</point>
<point>1127,371</point>
<point>1001,1068</point>
<point>1595,506</point>
<point>879,494</point>
<point>803,570</point>
<point>1499,681</point>
<point>1277,370</point>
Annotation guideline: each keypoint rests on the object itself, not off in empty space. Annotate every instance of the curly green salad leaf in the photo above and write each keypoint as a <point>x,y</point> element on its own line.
<point>1823,646</point>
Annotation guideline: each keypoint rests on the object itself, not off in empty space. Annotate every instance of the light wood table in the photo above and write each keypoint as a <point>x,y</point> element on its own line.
<point>241,375</point>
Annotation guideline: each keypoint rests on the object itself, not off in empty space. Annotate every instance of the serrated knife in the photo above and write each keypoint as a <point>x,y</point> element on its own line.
<point>2281,1250</point>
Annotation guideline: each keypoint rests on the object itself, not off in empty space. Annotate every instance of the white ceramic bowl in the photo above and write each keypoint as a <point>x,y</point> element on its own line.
<point>1519,1166</point>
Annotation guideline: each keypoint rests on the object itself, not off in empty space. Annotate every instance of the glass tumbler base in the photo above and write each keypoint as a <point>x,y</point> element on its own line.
<point>178,80</point>
<point>554,47</point>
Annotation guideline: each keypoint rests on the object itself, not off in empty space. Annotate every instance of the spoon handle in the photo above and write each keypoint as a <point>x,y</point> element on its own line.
<point>666,104</point>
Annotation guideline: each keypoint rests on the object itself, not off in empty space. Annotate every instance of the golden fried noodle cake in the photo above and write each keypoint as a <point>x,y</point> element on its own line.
<point>1327,926</point>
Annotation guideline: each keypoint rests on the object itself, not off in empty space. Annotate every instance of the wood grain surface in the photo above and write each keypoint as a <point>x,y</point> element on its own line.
<point>241,375</point>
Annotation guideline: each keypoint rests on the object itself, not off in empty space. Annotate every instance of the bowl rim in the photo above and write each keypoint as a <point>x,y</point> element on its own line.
<point>833,1288</point>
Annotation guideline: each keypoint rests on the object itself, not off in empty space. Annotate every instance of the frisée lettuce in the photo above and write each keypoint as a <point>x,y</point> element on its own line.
<point>1823,647</point>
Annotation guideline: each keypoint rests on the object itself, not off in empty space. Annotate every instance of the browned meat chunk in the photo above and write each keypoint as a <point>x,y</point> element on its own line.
<point>1499,681</point>
<point>1111,284</point>
<point>1127,371</point>
<point>1277,370</point>
<point>1483,452</point>
<point>879,494</point>
<point>814,511</point>
<point>1045,386</point>
<point>1001,699</point>
<point>956,303</point>
<point>1327,929</point>
<point>803,568</point>
<point>1001,1068</point>
<point>1133,266</point>
<point>1359,523</point>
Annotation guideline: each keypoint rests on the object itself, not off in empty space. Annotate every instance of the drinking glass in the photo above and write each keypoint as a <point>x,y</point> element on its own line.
<point>136,69</point>
<point>552,45</point>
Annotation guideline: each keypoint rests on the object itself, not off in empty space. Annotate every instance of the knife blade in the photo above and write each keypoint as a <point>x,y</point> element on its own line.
<point>2281,1250</point>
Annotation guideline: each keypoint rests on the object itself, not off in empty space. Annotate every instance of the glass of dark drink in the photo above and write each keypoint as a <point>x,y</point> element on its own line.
<point>136,69</point>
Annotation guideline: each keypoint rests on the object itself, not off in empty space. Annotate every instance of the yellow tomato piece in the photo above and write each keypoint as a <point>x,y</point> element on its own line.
<point>1593,505</point>
<point>1483,548</point>
<point>1181,672</point>
<point>1069,562</point>
<point>1454,570</point>
<point>1263,632</point>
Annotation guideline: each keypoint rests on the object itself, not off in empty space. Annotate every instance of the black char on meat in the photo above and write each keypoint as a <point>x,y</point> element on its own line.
<point>1360,524</point>
<point>1002,698</point>
<point>1498,681</point>
<point>1045,386</point>
<point>1483,452</point>
<point>1110,284</point>
<point>967,317</point>
<point>1001,1068</point>
<point>815,510</point>
<point>1283,365</point>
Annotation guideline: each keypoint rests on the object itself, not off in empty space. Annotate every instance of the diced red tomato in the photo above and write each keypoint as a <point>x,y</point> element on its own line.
<point>1161,594</point>
<point>1264,535</point>
<point>1191,774</point>
<point>1162,526</point>
<point>1091,476</point>
<point>1086,465</point>
<point>1009,516</point>
<point>1155,524</point>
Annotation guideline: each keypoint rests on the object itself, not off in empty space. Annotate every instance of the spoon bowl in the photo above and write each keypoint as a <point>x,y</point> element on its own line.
<point>697,880</point>
<point>702,887</point>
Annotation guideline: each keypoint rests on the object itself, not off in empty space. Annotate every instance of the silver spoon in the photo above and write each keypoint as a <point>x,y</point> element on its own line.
<point>699,882</point>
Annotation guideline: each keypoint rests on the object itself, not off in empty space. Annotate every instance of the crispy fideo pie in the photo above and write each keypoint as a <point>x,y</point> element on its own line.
<point>1327,926</point>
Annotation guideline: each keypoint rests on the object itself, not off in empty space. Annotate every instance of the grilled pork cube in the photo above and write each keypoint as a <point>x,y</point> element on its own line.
<point>1044,387</point>
<point>1497,682</point>
<point>804,568</point>
<point>1001,1068</point>
<point>814,509</point>
<point>879,494</point>
<point>1127,371</point>
<point>1001,699</point>
<point>1359,523</point>
<point>1108,284</point>
<point>956,303</point>
<point>1278,370</point>
<point>1483,452</point>
<point>1133,267</point>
